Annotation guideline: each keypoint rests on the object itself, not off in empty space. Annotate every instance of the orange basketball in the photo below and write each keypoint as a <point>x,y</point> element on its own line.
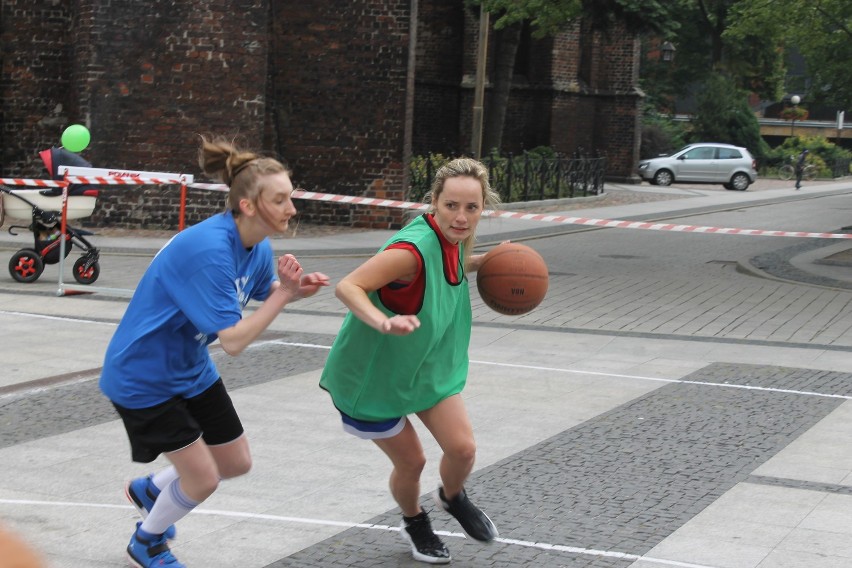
<point>512,279</point>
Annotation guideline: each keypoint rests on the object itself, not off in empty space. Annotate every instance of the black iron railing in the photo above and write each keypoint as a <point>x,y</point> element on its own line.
<point>525,177</point>
<point>840,167</point>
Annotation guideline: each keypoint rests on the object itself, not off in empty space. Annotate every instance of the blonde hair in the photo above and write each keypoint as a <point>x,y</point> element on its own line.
<point>241,170</point>
<point>461,167</point>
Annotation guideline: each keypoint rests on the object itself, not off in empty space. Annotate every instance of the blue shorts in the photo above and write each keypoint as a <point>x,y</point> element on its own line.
<point>372,430</point>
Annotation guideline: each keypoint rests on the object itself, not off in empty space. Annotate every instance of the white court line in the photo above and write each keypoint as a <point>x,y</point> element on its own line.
<point>346,525</point>
<point>681,381</point>
<point>57,318</point>
<point>612,375</point>
<point>512,365</point>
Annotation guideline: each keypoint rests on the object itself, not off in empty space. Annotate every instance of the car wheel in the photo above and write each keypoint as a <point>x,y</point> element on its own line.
<point>727,186</point>
<point>663,177</point>
<point>740,181</point>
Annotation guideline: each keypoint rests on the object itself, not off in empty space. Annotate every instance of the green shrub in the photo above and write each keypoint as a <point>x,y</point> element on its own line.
<point>660,135</point>
<point>422,170</point>
<point>821,152</point>
<point>540,173</point>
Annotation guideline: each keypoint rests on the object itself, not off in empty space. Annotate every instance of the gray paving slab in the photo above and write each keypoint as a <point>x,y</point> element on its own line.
<point>623,481</point>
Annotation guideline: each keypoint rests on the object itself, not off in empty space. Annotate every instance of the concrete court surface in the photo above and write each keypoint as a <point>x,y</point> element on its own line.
<point>596,448</point>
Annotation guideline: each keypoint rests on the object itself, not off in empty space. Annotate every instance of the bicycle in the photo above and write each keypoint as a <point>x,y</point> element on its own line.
<point>788,171</point>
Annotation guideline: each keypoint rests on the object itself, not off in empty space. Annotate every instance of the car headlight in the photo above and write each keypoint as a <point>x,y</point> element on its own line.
<point>643,166</point>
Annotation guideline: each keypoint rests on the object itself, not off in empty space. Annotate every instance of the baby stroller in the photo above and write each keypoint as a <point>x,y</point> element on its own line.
<point>43,208</point>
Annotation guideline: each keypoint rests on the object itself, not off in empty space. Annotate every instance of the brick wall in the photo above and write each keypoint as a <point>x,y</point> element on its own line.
<point>339,84</point>
<point>578,90</point>
<point>159,76</point>
<point>146,76</point>
<point>618,100</point>
<point>440,42</point>
<point>322,84</point>
<point>35,98</point>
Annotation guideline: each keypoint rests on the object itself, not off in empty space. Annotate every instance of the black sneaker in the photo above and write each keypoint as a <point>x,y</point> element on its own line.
<point>473,521</point>
<point>425,544</point>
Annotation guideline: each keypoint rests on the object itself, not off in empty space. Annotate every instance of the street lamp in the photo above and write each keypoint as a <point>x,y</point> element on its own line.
<point>667,51</point>
<point>795,99</point>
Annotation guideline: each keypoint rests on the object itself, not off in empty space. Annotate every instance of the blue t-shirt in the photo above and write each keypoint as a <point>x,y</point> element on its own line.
<point>196,286</point>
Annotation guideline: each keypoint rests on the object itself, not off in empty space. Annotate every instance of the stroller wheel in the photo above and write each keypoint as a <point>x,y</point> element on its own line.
<point>86,274</point>
<point>26,265</point>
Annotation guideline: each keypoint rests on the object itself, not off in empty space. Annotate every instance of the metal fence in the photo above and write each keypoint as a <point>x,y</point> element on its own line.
<point>840,167</point>
<point>834,168</point>
<point>526,177</point>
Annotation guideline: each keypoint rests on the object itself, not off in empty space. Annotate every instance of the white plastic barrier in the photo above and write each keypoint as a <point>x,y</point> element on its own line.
<point>108,176</point>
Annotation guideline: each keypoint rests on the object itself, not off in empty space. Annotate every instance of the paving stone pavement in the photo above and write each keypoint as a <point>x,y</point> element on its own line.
<point>624,480</point>
<point>703,422</point>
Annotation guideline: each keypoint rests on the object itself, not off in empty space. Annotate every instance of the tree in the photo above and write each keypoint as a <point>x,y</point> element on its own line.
<point>508,40</point>
<point>723,115</point>
<point>820,29</point>
<point>754,60</point>
<point>548,17</point>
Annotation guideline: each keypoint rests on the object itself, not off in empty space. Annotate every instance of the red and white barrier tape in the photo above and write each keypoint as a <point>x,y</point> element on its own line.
<point>89,181</point>
<point>618,224</point>
<point>32,182</point>
<point>354,200</point>
<point>562,219</point>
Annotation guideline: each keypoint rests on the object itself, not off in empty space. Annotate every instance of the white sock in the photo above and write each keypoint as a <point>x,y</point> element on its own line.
<point>161,479</point>
<point>171,506</point>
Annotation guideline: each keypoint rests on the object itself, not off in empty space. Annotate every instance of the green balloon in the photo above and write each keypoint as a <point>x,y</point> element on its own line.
<point>76,138</point>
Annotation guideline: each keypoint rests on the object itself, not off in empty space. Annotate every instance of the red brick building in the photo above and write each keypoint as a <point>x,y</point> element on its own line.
<point>340,89</point>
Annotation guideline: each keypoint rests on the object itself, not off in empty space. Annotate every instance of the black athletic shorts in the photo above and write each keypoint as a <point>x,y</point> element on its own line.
<point>178,422</point>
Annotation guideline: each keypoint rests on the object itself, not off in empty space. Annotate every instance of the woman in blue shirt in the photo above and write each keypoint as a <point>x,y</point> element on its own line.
<point>158,372</point>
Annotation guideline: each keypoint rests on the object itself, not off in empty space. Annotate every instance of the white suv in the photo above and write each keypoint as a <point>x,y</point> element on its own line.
<point>704,162</point>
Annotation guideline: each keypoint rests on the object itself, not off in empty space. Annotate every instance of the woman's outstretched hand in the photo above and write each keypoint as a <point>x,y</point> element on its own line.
<point>294,281</point>
<point>474,263</point>
<point>290,274</point>
<point>311,283</point>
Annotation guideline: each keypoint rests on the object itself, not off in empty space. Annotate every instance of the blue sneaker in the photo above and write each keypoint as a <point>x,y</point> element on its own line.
<point>151,551</point>
<point>142,493</point>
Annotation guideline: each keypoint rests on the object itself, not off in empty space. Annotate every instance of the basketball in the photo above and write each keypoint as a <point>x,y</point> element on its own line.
<point>512,279</point>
